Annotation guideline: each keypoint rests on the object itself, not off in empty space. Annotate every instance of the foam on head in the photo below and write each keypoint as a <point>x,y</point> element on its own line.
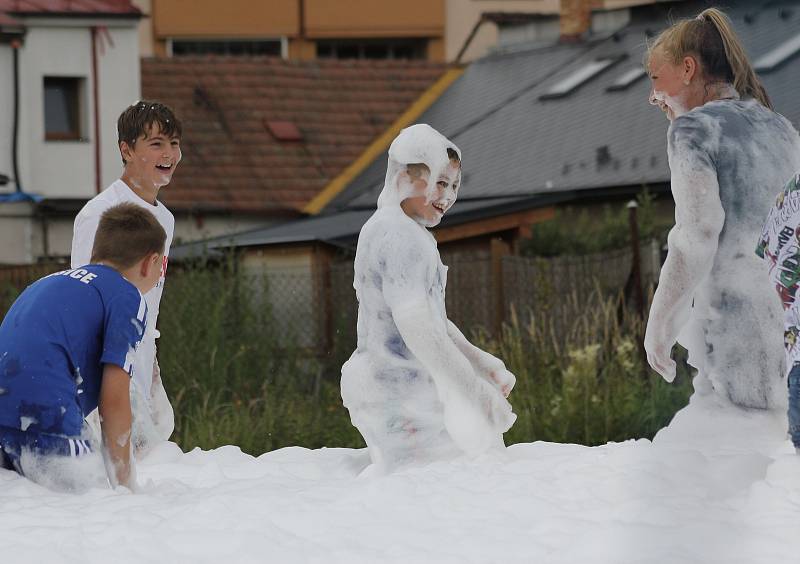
<point>416,144</point>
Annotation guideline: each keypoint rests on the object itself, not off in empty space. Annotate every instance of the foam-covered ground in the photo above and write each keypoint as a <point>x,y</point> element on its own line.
<point>718,485</point>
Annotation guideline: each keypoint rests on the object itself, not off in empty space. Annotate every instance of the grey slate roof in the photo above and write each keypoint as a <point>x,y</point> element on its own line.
<point>521,152</point>
<point>515,144</point>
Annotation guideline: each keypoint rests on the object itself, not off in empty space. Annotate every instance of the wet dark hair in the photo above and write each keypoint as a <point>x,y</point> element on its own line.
<point>137,119</point>
<point>126,234</point>
<point>415,170</point>
<point>452,154</point>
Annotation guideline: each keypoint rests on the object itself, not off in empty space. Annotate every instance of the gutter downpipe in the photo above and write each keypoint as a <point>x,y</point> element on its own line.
<point>15,46</point>
<point>96,110</point>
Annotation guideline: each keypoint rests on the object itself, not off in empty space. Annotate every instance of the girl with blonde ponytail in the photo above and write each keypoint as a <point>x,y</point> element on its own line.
<point>729,154</point>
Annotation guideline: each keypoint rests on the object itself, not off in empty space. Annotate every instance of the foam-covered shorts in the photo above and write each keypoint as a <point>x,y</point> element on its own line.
<point>13,442</point>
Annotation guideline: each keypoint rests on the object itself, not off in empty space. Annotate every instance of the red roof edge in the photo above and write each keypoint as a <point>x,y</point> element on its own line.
<point>70,8</point>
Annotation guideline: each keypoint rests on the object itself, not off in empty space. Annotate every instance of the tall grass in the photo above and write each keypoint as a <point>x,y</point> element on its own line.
<point>585,381</point>
<point>230,380</point>
<point>580,376</point>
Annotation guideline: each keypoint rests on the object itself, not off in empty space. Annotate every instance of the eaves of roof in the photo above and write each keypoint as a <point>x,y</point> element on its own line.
<point>341,229</point>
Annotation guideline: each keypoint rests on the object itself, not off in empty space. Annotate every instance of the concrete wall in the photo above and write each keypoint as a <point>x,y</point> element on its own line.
<point>16,233</point>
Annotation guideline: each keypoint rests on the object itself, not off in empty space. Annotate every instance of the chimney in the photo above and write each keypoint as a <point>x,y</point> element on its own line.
<point>575,19</point>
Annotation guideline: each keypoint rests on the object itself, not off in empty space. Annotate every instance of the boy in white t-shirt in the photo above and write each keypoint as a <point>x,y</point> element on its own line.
<point>149,137</point>
<point>779,245</point>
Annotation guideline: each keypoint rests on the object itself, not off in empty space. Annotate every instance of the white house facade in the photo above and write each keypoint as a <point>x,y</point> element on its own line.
<point>59,102</point>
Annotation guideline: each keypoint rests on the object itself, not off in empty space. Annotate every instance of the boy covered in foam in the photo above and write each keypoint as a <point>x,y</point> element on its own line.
<point>415,388</point>
<point>68,346</point>
<point>780,246</point>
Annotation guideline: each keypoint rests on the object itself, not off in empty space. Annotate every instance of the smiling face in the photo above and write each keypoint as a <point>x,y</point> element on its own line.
<point>672,86</point>
<point>151,161</point>
<point>428,206</point>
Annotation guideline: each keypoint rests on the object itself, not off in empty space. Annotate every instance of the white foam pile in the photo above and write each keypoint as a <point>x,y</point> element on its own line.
<point>719,485</point>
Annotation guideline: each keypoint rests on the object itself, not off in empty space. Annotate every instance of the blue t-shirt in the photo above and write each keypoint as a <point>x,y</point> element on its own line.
<point>54,342</point>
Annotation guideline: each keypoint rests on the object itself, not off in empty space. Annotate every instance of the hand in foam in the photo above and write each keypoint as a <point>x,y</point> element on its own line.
<point>475,412</point>
<point>658,349</point>
<point>488,367</point>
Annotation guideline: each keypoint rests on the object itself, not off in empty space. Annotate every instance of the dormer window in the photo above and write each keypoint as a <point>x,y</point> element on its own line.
<point>779,55</point>
<point>579,77</point>
<point>626,79</point>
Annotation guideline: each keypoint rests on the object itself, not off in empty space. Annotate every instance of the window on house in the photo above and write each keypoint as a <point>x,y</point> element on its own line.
<point>778,55</point>
<point>62,108</point>
<point>582,75</point>
<point>372,49</point>
<point>181,47</point>
<point>626,79</point>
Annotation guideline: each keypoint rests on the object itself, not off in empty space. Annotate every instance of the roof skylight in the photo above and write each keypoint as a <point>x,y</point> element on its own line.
<point>577,78</point>
<point>627,78</point>
<point>778,55</point>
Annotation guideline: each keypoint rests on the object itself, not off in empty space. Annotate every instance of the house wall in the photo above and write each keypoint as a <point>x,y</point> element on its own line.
<point>273,19</point>
<point>66,169</point>
<point>462,15</point>
<point>146,37</point>
<point>285,277</point>
<point>6,114</point>
<point>61,169</point>
<point>16,233</point>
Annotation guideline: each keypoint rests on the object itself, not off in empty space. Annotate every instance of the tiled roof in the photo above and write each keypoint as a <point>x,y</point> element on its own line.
<point>231,159</point>
<point>72,7</point>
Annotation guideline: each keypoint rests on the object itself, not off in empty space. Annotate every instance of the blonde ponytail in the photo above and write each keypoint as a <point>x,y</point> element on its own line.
<point>745,80</point>
<point>710,38</point>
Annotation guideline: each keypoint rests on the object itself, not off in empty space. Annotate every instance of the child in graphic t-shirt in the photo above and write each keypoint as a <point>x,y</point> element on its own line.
<point>149,137</point>
<point>780,245</point>
<point>68,346</point>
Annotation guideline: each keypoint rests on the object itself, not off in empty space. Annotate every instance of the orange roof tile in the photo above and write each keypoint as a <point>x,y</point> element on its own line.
<point>76,7</point>
<point>231,160</point>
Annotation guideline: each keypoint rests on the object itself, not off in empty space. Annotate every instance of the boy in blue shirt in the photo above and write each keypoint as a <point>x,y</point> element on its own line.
<point>67,347</point>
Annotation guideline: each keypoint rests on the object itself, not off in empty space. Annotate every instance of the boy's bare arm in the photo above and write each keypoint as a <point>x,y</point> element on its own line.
<point>485,365</point>
<point>115,421</point>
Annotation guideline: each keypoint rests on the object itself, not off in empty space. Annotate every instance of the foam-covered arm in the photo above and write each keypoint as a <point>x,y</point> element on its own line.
<point>693,241</point>
<point>475,413</point>
<point>487,366</point>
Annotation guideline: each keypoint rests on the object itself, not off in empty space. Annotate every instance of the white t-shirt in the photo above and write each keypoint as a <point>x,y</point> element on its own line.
<point>82,241</point>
